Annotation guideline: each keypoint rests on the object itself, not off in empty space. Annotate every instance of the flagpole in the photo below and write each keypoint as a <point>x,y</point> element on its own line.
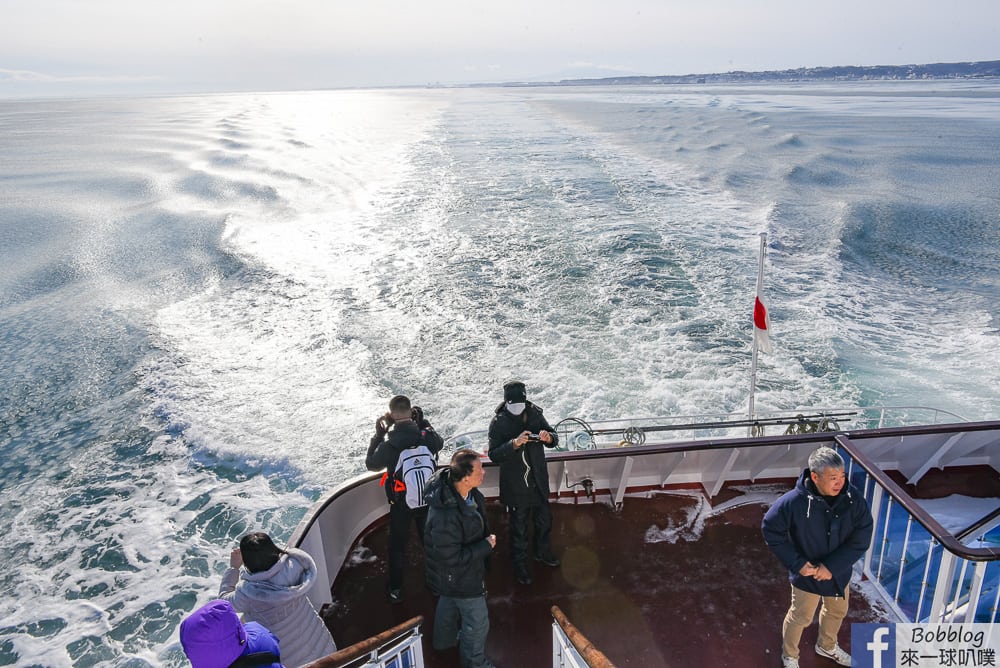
<point>753,363</point>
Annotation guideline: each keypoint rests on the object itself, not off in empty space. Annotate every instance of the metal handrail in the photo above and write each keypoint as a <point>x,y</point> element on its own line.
<point>821,410</point>
<point>899,495</point>
<point>728,420</point>
<point>978,525</point>
<point>743,422</point>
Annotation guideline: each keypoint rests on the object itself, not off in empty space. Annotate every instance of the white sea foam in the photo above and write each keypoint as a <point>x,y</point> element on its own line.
<point>210,299</point>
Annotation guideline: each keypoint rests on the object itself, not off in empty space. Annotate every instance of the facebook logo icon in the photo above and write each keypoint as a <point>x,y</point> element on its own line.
<point>873,645</point>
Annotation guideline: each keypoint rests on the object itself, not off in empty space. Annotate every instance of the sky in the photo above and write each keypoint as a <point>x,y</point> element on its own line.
<point>82,47</point>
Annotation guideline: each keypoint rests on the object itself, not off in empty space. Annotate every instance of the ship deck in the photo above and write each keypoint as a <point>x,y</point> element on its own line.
<point>670,579</point>
<point>714,596</point>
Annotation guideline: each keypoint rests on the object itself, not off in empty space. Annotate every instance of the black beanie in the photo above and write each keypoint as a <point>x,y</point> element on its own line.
<point>513,392</point>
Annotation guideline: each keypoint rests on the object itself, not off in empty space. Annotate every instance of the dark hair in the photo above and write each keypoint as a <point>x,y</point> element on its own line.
<point>259,551</point>
<point>399,406</point>
<point>463,463</point>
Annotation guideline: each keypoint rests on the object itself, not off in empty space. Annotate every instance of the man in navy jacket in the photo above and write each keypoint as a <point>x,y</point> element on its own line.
<point>818,531</point>
<point>459,545</point>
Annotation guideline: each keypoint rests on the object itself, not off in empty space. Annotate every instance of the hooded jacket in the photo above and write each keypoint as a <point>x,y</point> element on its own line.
<point>276,598</point>
<point>213,637</point>
<point>524,468</point>
<point>455,539</point>
<point>802,527</point>
<point>384,454</point>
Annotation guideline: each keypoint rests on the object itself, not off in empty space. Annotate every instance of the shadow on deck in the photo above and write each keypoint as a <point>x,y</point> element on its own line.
<point>668,580</point>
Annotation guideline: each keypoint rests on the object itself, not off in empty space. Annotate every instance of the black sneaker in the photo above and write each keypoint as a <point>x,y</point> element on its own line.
<point>548,559</point>
<point>523,576</point>
<point>395,595</point>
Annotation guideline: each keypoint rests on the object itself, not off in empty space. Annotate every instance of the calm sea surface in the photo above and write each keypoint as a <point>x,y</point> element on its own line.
<point>206,301</point>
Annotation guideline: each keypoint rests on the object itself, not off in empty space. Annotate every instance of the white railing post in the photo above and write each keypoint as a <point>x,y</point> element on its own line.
<point>885,539</point>
<point>902,558</point>
<point>942,586</point>
<point>557,649</point>
<point>976,590</point>
<point>996,606</point>
<point>875,503</point>
<point>959,581</point>
<point>564,655</point>
<point>924,583</point>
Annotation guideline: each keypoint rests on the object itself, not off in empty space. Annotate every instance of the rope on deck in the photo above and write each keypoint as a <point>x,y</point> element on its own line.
<point>594,657</point>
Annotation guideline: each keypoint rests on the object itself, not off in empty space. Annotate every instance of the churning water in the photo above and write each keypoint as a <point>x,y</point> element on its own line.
<point>206,301</point>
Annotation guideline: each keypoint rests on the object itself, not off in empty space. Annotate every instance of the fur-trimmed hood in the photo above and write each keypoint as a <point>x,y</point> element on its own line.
<point>290,577</point>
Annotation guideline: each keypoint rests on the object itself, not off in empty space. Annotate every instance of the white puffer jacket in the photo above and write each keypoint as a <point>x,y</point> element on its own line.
<point>276,599</point>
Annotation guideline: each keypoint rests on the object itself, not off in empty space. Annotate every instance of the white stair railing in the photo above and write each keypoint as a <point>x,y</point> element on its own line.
<point>921,571</point>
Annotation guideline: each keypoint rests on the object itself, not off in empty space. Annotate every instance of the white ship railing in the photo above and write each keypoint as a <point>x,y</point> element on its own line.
<point>398,647</point>
<point>570,648</point>
<point>563,653</point>
<point>580,434</point>
<point>922,571</point>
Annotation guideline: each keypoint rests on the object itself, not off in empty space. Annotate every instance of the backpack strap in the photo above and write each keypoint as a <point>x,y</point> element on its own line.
<point>397,484</point>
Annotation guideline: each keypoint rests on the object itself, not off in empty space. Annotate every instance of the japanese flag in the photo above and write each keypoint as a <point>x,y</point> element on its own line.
<point>761,326</point>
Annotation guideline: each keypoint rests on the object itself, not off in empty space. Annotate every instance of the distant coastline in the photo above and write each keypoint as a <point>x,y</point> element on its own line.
<point>970,70</point>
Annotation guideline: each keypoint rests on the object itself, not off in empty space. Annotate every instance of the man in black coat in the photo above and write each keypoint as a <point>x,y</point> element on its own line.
<point>459,544</point>
<point>518,436</point>
<point>402,428</point>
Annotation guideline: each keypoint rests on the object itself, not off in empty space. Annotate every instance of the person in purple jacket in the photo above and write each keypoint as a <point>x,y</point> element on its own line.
<point>818,530</point>
<point>214,637</point>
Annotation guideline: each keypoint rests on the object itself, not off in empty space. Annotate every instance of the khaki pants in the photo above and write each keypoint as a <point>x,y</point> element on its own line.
<point>800,615</point>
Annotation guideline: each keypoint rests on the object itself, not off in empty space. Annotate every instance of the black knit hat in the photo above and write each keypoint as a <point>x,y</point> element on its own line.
<point>513,392</point>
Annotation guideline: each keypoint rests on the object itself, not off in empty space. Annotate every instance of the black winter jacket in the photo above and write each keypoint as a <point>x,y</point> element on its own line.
<point>384,454</point>
<point>457,552</point>
<point>801,526</point>
<point>524,468</point>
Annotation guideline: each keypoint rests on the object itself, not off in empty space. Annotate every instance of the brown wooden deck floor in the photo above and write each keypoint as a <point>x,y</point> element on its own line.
<point>717,601</point>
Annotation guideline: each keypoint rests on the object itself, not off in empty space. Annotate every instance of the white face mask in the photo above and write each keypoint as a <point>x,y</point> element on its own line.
<point>516,409</point>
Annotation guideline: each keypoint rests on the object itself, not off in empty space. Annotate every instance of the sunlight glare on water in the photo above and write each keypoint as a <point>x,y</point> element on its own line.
<point>207,301</point>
